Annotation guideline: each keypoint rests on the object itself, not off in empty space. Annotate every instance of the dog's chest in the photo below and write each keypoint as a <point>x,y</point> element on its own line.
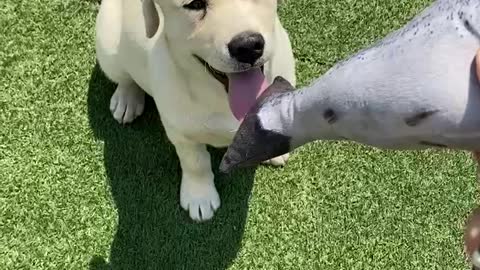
<point>204,124</point>
<point>200,113</point>
<point>212,120</point>
<point>215,128</point>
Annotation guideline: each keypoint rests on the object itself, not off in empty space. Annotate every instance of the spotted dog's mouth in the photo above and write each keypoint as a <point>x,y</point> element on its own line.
<point>243,88</point>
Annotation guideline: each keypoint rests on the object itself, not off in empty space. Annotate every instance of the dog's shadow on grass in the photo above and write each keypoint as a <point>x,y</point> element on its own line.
<point>144,176</point>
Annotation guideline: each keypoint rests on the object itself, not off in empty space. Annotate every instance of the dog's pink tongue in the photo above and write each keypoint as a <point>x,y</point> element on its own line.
<point>244,89</point>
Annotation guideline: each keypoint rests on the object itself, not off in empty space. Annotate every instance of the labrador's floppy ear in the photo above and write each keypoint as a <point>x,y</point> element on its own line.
<point>151,17</point>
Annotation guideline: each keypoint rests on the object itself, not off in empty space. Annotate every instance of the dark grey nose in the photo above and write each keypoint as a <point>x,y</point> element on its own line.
<point>247,47</point>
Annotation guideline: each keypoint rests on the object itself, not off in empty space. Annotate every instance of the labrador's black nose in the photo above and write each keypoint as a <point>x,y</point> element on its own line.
<point>247,47</point>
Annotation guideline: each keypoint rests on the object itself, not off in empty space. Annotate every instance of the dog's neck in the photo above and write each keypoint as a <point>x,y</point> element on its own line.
<point>182,59</point>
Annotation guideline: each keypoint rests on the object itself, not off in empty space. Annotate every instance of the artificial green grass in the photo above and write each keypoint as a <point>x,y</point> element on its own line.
<point>78,191</point>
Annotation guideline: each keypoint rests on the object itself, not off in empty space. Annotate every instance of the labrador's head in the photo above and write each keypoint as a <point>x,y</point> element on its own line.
<point>229,35</point>
<point>233,38</point>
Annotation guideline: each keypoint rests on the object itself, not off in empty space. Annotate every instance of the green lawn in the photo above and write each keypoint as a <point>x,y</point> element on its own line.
<point>78,191</point>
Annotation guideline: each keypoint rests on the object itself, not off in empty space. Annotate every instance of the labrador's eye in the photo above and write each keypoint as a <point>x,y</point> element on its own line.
<point>196,5</point>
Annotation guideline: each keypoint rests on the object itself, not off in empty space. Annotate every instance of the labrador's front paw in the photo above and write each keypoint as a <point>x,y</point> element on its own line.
<point>199,197</point>
<point>127,103</point>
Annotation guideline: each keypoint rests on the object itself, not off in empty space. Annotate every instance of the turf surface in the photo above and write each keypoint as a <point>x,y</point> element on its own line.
<point>78,191</point>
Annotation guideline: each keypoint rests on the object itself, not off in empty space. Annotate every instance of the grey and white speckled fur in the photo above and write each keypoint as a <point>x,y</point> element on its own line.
<point>415,89</point>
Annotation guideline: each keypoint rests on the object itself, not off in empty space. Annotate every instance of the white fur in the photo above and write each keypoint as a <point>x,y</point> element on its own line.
<point>148,47</point>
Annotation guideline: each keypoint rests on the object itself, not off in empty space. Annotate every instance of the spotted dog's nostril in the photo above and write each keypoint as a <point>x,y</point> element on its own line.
<point>247,47</point>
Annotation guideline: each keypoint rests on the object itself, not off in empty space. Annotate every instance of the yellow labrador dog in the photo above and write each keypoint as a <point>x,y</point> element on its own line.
<point>204,62</point>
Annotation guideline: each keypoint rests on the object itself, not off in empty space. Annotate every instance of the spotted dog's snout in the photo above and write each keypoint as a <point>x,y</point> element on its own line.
<point>252,145</point>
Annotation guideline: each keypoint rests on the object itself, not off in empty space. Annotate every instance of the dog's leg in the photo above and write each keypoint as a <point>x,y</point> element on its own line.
<point>198,194</point>
<point>128,102</point>
<point>281,64</point>
<point>278,161</point>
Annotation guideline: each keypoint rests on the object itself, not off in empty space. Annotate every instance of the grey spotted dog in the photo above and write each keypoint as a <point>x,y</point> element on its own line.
<point>415,89</point>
